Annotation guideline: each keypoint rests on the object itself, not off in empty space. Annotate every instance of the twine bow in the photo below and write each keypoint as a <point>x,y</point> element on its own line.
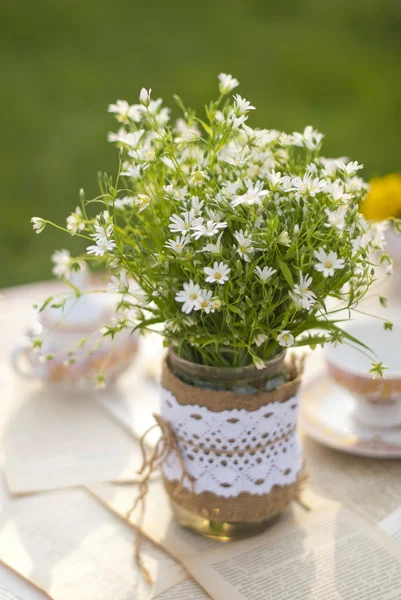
<point>166,445</point>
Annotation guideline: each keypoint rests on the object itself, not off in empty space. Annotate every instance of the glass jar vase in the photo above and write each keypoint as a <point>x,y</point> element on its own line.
<point>231,425</point>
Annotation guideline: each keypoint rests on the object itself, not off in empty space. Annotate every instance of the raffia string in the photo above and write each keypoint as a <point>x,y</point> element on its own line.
<point>166,444</point>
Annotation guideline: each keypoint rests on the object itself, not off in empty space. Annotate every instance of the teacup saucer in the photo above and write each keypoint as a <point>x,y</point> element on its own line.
<point>327,416</point>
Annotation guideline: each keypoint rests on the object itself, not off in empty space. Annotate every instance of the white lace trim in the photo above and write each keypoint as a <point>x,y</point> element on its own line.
<point>265,445</point>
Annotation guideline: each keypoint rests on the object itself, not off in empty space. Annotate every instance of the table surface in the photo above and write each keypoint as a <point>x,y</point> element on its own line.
<point>362,482</point>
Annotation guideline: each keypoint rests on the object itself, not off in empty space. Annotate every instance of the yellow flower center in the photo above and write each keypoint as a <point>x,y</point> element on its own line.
<point>328,264</point>
<point>217,275</point>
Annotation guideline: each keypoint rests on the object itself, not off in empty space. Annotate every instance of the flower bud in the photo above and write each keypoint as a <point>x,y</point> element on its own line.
<point>144,97</point>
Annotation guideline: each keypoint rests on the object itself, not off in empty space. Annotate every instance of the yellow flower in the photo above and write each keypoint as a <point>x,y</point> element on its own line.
<point>384,198</point>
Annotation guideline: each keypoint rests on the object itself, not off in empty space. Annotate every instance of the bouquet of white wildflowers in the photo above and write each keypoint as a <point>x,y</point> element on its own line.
<point>235,236</point>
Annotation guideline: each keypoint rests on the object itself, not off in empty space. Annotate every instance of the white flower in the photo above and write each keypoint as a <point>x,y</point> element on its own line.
<point>187,132</point>
<point>196,205</point>
<point>230,188</point>
<point>204,302</point>
<point>253,195</point>
<point>213,248</point>
<point>302,295</point>
<point>284,239</point>
<point>236,122</point>
<point>336,218</point>
<point>307,186</point>
<point>265,273</point>
<point>119,283</point>
<point>113,137</point>
<point>274,179</point>
<point>309,139</point>
<point>169,189</point>
<point>328,263</point>
<point>133,171</point>
<point>260,339</point>
<point>131,139</point>
<point>123,203</point>
<point>336,191</point>
<point>377,232</point>
<point>154,105</point>
<point>38,224</point>
<point>244,248</point>
<point>181,193</point>
<point>258,362</point>
<point>144,97</point>
<point>183,223</point>
<point>286,139</point>
<point>361,242</point>
<point>188,296</point>
<point>356,184</point>
<point>217,274</point>
<point>103,227</point>
<point>208,230</point>
<point>198,178</point>
<point>216,304</point>
<point>145,155</point>
<point>285,338</point>
<point>214,215</point>
<point>178,244</point>
<point>62,263</point>
<point>227,83</point>
<point>142,201</point>
<point>120,109</point>
<point>350,168</point>
<point>330,166</point>
<point>239,160</point>
<point>102,247</point>
<point>242,106</point>
<point>74,221</point>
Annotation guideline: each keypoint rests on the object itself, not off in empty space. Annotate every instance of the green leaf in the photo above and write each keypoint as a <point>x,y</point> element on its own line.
<point>205,126</point>
<point>286,272</point>
<point>45,303</point>
<point>237,311</point>
<point>179,103</point>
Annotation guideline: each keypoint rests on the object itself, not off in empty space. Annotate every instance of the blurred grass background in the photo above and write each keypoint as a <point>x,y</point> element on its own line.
<point>334,64</point>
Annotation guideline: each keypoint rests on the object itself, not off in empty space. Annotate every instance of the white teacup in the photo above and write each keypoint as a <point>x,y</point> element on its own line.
<point>378,401</point>
<point>73,363</point>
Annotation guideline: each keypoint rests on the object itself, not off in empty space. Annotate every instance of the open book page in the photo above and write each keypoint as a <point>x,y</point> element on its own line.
<point>187,590</point>
<point>368,487</point>
<point>159,524</point>
<point>71,547</point>
<point>14,587</point>
<point>392,524</point>
<point>331,555</point>
<point>57,439</point>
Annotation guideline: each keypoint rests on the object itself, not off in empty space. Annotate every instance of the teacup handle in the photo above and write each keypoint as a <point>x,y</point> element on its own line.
<point>19,353</point>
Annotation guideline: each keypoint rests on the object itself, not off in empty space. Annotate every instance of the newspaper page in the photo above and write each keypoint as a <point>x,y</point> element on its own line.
<point>368,487</point>
<point>56,439</point>
<point>331,555</point>
<point>159,524</point>
<point>70,546</point>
